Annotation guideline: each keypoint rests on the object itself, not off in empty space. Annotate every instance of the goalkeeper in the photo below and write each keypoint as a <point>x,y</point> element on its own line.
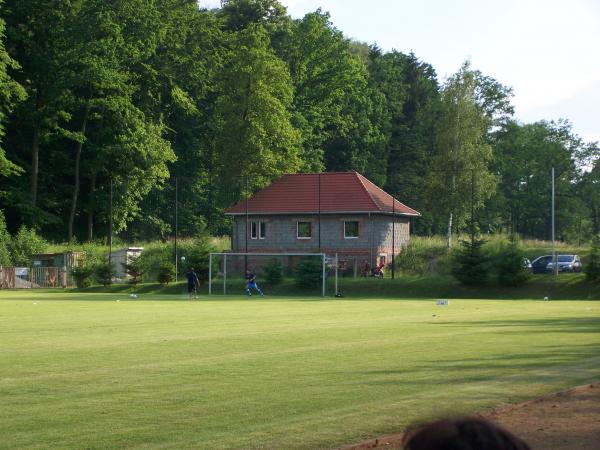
<point>251,284</point>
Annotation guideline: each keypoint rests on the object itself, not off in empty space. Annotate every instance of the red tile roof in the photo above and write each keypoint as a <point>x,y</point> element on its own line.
<point>341,192</point>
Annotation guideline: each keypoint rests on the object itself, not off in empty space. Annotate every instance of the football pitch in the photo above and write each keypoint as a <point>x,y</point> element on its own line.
<point>108,371</point>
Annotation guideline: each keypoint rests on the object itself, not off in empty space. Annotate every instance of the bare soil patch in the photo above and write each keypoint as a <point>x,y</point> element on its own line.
<point>566,420</point>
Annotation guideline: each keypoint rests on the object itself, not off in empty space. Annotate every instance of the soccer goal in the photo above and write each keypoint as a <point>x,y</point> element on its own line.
<point>275,273</point>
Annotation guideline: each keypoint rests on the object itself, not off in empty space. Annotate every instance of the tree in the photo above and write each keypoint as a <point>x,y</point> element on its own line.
<point>460,172</point>
<point>11,93</point>
<point>26,243</point>
<point>470,264</point>
<point>5,259</point>
<point>255,136</point>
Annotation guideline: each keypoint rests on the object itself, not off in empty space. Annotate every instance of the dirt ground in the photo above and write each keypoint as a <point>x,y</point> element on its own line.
<point>567,420</point>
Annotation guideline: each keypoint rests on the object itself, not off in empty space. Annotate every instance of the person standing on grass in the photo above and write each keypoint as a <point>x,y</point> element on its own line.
<point>193,283</point>
<point>251,284</point>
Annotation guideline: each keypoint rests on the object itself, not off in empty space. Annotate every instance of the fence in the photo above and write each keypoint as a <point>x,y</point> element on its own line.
<point>34,277</point>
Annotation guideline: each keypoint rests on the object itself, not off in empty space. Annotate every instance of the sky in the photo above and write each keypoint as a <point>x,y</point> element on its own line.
<point>548,51</point>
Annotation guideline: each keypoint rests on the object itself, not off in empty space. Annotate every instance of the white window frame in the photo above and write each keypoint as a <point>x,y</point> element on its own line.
<point>358,229</point>
<point>298,229</point>
<point>262,230</point>
<point>258,230</point>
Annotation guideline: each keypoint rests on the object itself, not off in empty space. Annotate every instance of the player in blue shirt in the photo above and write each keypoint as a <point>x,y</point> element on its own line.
<point>251,283</point>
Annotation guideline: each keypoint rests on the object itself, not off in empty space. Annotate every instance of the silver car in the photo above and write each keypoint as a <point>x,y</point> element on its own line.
<point>566,263</point>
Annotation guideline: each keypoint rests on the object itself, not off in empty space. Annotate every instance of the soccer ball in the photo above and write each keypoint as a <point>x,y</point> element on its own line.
<point>133,295</point>
<point>546,298</point>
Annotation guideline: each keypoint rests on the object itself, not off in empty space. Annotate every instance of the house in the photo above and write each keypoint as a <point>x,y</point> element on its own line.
<point>337,212</point>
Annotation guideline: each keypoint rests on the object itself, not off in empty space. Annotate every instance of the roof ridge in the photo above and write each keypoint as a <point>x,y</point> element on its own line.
<point>360,179</point>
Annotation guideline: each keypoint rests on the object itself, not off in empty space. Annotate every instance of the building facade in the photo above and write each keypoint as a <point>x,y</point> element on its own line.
<point>332,213</point>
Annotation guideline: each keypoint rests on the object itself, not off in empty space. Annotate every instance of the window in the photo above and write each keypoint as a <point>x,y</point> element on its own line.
<point>304,230</point>
<point>262,230</point>
<point>351,229</point>
<point>258,230</point>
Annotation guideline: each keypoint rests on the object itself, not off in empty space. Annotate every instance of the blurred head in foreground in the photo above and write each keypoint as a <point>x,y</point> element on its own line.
<point>462,433</point>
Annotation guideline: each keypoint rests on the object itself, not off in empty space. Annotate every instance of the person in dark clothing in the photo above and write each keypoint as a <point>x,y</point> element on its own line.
<point>251,284</point>
<point>193,283</point>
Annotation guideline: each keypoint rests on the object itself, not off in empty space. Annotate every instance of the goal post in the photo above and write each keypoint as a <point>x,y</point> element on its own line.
<point>305,273</point>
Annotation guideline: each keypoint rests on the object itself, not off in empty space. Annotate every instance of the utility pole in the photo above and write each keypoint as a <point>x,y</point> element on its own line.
<point>554,262</point>
<point>110,223</point>
<point>393,235</point>
<point>176,225</point>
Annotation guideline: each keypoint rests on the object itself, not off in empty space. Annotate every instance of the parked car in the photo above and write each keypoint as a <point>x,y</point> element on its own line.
<point>566,263</point>
<point>540,264</point>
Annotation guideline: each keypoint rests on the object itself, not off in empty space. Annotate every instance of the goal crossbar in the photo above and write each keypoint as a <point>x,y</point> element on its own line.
<point>226,254</point>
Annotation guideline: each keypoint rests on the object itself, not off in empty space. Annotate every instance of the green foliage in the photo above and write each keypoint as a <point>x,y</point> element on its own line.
<point>11,93</point>
<point>423,256</point>
<point>197,257</point>
<point>470,264</point>
<point>273,272</point>
<point>134,269</point>
<point>104,272</point>
<point>5,241</point>
<point>508,264</point>
<point>25,244</point>
<point>309,273</point>
<point>83,275</point>
<point>166,273</point>
<point>592,268</point>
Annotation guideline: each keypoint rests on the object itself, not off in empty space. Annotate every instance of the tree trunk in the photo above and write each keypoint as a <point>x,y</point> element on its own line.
<point>77,163</point>
<point>90,219</point>
<point>450,232</point>
<point>35,151</point>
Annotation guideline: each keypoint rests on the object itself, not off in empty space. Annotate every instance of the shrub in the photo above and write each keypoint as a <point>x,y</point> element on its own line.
<point>309,274</point>
<point>274,272</point>
<point>5,259</point>
<point>197,256</point>
<point>25,244</point>
<point>82,275</point>
<point>134,269</point>
<point>469,264</point>
<point>104,273</point>
<point>508,264</point>
<point>166,273</point>
<point>592,269</point>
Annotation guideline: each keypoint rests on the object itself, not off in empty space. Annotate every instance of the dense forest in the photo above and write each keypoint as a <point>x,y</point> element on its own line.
<point>132,99</point>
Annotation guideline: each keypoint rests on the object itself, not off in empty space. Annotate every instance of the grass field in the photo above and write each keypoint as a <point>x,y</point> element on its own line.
<point>88,371</point>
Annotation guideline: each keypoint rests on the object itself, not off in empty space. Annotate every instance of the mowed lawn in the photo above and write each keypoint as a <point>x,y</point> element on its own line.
<point>88,371</point>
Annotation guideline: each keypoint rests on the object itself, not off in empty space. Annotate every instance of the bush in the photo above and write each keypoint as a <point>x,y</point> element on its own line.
<point>166,273</point>
<point>134,269</point>
<point>5,259</point>
<point>104,273</point>
<point>274,272</point>
<point>25,244</point>
<point>309,274</point>
<point>592,269</point>
<point>508,264</point>
<point>197,256</point>
<point>82,275</point>
<point>470,264</point>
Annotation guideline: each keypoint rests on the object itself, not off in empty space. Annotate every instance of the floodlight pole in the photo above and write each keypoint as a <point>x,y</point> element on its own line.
<point>393,234</point>
<point>247,230</point>
<point>319,208</point>
<point>554,262</point>
<point>176,224</point>
<point>110,223</point>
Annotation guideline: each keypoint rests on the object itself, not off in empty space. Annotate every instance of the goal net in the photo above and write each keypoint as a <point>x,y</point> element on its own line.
<point>300,274</point>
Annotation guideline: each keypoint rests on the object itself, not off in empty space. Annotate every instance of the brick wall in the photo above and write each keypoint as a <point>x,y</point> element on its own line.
<point>374,234</point>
